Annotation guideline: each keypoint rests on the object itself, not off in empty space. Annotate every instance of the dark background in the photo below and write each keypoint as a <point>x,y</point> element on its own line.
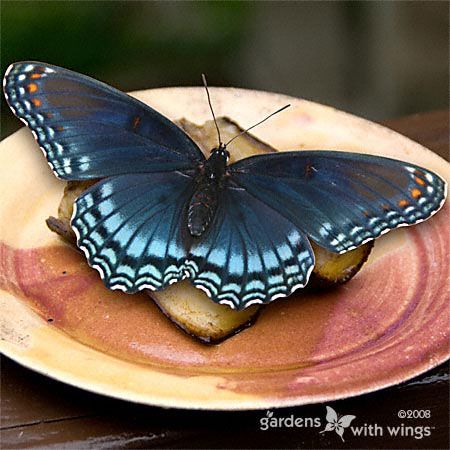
<point>375,59</point>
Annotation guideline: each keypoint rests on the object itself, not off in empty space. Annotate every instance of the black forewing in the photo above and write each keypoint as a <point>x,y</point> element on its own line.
<point>88,129</point>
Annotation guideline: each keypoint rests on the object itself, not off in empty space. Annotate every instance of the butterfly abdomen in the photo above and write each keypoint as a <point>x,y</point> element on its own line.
<point>202,207</point>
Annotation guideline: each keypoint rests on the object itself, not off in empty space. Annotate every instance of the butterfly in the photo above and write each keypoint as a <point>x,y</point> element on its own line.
<point>162,212</point>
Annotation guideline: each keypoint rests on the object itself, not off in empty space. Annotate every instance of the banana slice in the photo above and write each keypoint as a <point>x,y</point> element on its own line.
<point>188,307</point>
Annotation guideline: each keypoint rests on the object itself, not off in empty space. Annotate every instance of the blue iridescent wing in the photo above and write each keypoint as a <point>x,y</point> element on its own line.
<point>339,199</point>
<point>88,129</point>
<point>130,227</point>
<point>249,254</point>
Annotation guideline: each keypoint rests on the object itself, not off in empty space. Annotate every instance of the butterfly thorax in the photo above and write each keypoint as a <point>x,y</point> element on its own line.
<point>204,201</point>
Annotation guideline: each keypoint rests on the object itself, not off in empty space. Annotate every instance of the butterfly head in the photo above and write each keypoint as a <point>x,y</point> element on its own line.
<point>221,151</point>
<point>217,162</point>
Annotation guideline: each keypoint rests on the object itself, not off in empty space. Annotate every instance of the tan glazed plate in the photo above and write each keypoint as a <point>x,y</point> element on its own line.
<point>388,324</point>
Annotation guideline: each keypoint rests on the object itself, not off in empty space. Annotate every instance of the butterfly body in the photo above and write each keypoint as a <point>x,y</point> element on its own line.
<point>162,212</point>
<point>210,180</point>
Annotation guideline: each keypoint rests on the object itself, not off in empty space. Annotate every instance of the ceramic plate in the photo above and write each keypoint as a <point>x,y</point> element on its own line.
<point>385,326</point>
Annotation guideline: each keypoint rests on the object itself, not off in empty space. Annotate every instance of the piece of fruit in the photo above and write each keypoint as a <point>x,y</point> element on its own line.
<point>61,225</point>
<point>331,268</point>
<point>206,137</point>
<point>188,307</point>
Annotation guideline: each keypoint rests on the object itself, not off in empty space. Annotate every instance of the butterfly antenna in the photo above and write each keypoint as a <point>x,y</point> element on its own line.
<point>211,108</point>
<point>256,124</point>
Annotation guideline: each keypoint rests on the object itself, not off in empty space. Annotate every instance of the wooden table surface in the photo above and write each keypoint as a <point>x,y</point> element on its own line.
<point>39,412</point>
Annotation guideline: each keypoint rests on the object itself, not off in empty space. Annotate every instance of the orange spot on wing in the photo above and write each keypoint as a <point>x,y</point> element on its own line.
<point>416,193</point>
<point>385,207</point>
<point>403,202</point>
<point>32,87</point>
<point>35,75</point>
<point>136,121</point>
<point>36,102</point>
<point>366,213</point>
<point>59,128</point>
<point>419,181</point>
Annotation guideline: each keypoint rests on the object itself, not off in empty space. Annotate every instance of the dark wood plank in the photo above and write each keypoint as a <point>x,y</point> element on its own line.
<point>118,424</point>
<point>40,412</point>
<point>28,398</point>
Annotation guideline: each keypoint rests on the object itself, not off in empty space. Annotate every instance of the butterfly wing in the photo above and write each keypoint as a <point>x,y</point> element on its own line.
<point>88,129</point>
<point>131,229</point>
<point>339,199</point>
<point>249,254</point>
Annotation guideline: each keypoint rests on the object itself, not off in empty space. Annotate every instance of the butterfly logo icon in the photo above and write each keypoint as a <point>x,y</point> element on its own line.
<point>337,423</point>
